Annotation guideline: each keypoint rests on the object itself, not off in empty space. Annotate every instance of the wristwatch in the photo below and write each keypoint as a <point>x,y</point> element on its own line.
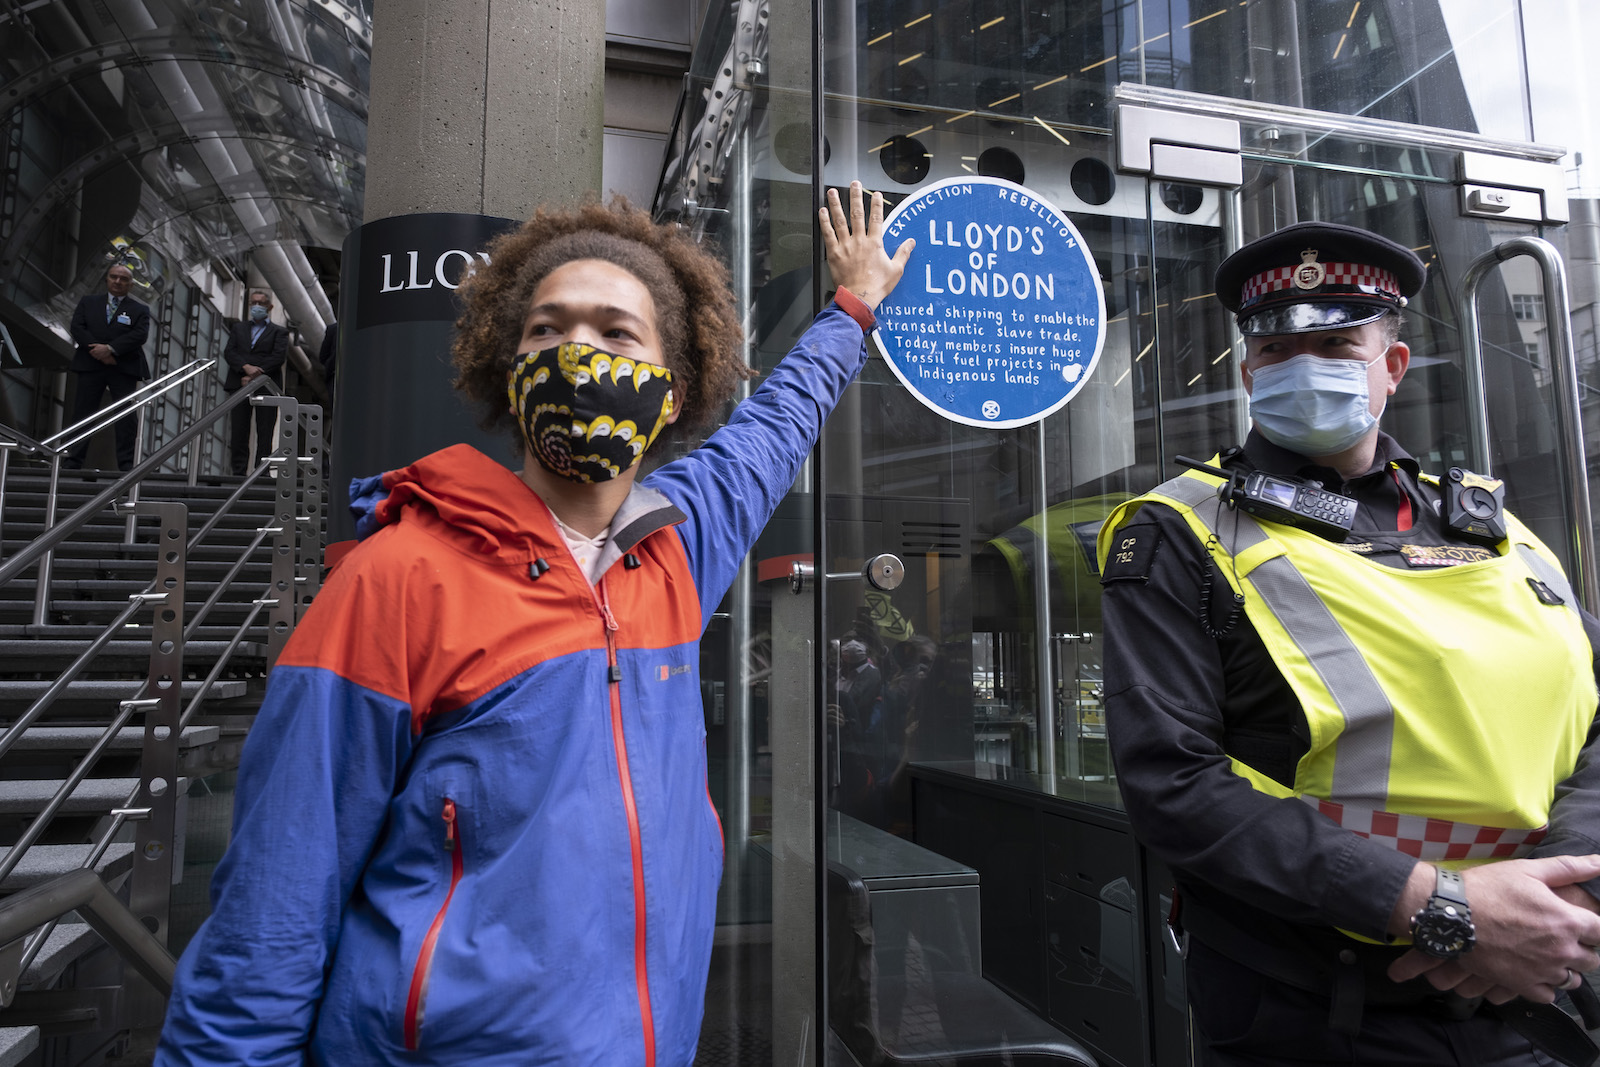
<point>1443,928</point>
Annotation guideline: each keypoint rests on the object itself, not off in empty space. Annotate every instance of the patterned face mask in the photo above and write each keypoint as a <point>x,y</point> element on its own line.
<point>588,415</point>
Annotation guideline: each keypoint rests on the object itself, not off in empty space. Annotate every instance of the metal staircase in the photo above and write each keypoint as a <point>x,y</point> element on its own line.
<point>139,615</point>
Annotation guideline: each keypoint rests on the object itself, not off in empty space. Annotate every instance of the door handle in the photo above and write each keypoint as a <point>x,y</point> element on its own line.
<point>884,571</point>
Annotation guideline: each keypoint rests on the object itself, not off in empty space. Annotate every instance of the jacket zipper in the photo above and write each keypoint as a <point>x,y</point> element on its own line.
<point>419,975</point>
<point>641,975</point>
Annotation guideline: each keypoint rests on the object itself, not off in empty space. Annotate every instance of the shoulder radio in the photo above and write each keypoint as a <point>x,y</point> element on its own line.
<point>1295,502</point>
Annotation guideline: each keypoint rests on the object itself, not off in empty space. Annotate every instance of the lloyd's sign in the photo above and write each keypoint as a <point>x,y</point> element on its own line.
<point>410,266</point>
<point>397,312</point>
<point>1000,317</point>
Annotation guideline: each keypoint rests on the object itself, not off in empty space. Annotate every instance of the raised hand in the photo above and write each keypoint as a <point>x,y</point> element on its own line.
<point>854,247</point>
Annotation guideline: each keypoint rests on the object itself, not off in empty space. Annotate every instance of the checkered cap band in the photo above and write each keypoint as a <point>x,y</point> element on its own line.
<point>1341,279</point>
<point>1431,839</point>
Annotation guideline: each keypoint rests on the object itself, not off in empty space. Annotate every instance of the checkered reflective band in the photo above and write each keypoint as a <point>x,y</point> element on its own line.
<point>1431,839</point>
<point>1338,278</point>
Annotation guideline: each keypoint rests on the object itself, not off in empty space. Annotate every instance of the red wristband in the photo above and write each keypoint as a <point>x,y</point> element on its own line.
<point>851,305</point>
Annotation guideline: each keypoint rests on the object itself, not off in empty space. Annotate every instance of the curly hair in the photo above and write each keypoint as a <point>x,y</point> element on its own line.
<point>701,337</point>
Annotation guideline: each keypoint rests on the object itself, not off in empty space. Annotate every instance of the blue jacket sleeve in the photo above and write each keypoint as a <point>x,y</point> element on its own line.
<point>315,781</point>
<point>730,486</point>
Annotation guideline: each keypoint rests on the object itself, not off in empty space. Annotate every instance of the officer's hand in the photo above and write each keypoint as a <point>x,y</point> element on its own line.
<point>1530,942</point>
<point>854,246</point>
<point>103,353</point>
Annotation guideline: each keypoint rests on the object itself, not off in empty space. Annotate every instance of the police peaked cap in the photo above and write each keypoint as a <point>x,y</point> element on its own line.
<point>1317,276</point>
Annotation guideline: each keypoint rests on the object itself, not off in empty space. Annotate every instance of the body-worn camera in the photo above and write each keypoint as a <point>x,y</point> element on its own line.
<point>1474,506</point>
<point>1291,501</point>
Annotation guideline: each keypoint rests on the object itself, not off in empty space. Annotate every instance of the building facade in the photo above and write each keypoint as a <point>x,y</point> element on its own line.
<point>925,851</point>
<point>963,775</point>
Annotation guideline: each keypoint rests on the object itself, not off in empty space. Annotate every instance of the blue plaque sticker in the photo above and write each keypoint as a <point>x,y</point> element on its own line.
<point>1000,317</point>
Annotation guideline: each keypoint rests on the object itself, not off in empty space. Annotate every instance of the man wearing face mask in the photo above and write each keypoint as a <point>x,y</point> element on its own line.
<point>481,756</point>
<point>1370,759</point>
<point>256,347</point>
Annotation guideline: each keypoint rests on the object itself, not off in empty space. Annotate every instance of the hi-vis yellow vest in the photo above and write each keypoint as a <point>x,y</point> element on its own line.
<point>1444,704</point>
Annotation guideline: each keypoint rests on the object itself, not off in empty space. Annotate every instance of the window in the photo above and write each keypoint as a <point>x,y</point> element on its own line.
<point>1528,307</point>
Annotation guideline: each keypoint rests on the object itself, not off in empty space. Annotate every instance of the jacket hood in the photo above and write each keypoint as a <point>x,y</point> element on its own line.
<point>468,500</point>
<point>462,496</point>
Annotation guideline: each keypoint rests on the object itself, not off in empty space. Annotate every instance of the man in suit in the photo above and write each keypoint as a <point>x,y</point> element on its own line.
<point>255,347</point>
<point>110,331</point>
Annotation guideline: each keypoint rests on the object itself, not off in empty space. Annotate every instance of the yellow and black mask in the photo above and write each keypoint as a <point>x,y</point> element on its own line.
<point>588,415</point>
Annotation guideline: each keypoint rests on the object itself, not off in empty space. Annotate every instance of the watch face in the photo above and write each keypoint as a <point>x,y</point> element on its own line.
<point>1443,931</point>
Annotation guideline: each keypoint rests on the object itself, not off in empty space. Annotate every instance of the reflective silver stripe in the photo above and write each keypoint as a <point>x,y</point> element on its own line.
<point>1189,491</point>
<point>1550,575</point>
<point>1362,751</point>
<point>1235,530</point>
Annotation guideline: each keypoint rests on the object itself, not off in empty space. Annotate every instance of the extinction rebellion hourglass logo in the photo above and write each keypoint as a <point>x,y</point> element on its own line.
<point>1000,318</point>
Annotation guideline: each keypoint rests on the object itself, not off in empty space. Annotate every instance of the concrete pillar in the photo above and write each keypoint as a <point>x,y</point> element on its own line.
<point>484,108</point>
<point>481,112</point>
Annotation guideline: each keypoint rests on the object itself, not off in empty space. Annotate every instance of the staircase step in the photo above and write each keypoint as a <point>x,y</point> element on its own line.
<point>17,1043</point>
<point>29,796</point>
<point>109,692</point>
<point>66,943</point>
<point>44,862</point>
<point>129,738</point>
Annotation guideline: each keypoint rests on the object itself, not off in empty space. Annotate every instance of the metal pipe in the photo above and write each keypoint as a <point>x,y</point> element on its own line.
<point>131,529</point>
<point>1044,666</point>
<point>6,448</point>
<point>83,891</point>
<point>222,586</point>
<point>1564,377</point>
<point>48,539</point>
<point>280,276</point>
<point>198,699</point>
<point>249,480</point>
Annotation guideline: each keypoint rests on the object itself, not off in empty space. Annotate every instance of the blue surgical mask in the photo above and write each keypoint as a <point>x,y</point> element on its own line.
<point>1311,405</point>
<point>258,313</point>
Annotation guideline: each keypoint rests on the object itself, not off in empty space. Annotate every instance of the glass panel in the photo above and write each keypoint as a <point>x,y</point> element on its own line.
<point>1387,59</point>
<point>739,175</point>
<point>964,742</point>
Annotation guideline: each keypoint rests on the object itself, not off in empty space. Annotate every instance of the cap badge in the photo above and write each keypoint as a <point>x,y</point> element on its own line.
<point>1309,274</point>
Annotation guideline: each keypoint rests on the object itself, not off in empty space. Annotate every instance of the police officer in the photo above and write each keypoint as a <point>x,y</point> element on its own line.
<point>1361,733</point>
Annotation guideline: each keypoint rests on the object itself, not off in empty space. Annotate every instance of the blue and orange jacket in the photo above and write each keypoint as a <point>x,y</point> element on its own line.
<point>471,822</point>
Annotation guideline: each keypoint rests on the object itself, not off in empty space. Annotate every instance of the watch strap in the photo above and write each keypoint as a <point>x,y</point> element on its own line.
<point>1450,887</point>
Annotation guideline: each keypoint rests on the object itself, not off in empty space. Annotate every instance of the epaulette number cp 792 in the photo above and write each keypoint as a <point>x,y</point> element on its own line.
<point>1133,549</point>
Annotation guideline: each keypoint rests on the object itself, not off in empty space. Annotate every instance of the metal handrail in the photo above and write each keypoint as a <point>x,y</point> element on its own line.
<point>56,532</point>
<point>62,440</point>
<point>1564,377</point>
<point>83,891</point>
<point>22,439</point>
<point>286,456</point>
